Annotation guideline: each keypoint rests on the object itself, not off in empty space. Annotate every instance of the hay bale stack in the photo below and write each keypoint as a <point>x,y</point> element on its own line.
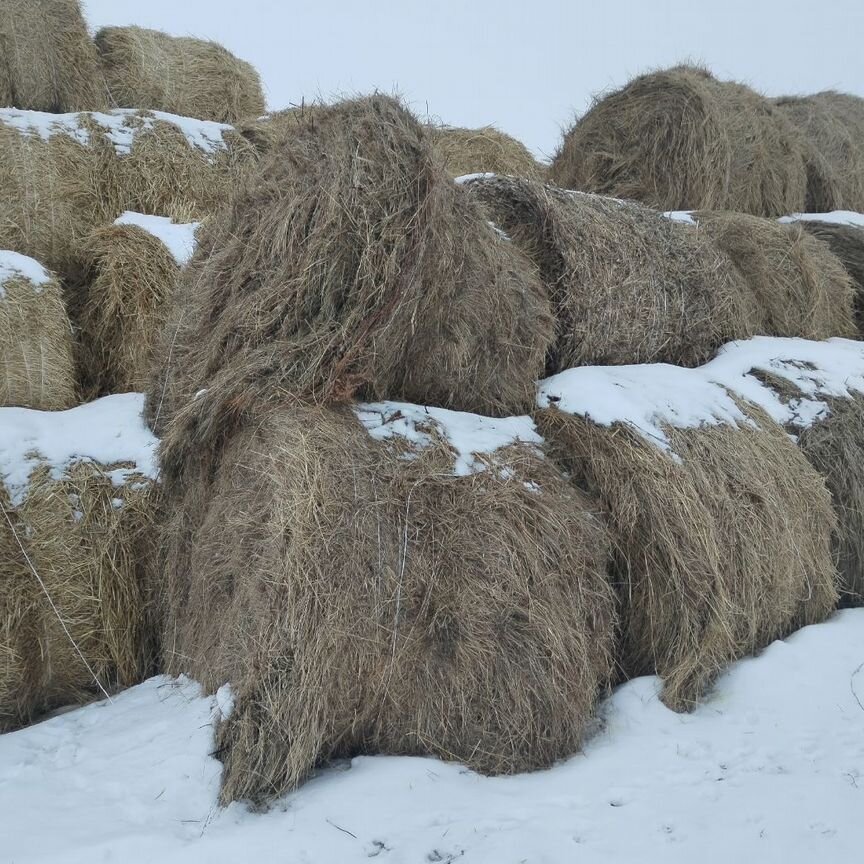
<point>461,609</point>
<point>37,367</point>
<point>627,285</point>
<point>352,266</point>
<point>193,77</point>
<point>832,125</point>
<point>679,139</point>
<point>721,529</point>
<point>78,492</point>
<point>484,150</point>
<point>47,60</point>
<point>799,286</point>
<point>131,268</point>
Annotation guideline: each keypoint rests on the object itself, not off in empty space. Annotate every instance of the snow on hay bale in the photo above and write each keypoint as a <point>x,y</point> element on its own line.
<point>679,139</point>
<point>47,60</point>
<point>484,150</point>
<point>150,69</point>
<point>352,265</point>
<point>721,529</point>
<point>798,286</point>
<point>627,285</point>
<point>131,268</point>
<point>76,488</point>
<point>37,366</point>
<point>388,578</point>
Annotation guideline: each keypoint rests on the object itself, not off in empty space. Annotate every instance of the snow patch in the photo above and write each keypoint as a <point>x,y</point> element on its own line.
<point>837,217</point>
<point>14,265</point>
<point>684,216</point>
<point>178,237</point>
<point>467,178</point>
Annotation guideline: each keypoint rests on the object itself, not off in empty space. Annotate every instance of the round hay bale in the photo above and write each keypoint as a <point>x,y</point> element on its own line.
<point>351,266</point>
<point>193,77</point>
<point>627,284</point>
<point>679,139</point>
<point>832,124</point>
<point>379,590</point>
<point>37,366</point>
<point>484,150</point>
<point>48,61</point>
<point>131,268</point>
<point>721,529</point>
<point>799,286</point>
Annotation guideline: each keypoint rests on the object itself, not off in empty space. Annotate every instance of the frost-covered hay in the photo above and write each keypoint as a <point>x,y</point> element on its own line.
<point>799,286</point>
<point>679,139</point>
<point>721,532</point>
<point>472,151</point>
<point>37,366</point>
<point>627,284</point>
<point>351,266</point>
<point>365,592</point>
<point>81,524</point>
<point>130,273</point>
<point>48,61</point>
<point>193,77</point>
<point>833,126</point>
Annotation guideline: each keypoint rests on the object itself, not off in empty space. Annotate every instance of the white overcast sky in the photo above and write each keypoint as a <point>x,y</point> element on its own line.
<point>528,66</point>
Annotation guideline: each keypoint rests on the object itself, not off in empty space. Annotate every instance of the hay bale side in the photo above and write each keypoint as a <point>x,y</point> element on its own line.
<point>37,366</point>
<point>472,151</point>
<point>193,77</point>
<point>627,284</point>
<point>351,266</point>
<point>465,617</point>
<point>679,139</point>
<point>799,286</point>
<point>50,62</point>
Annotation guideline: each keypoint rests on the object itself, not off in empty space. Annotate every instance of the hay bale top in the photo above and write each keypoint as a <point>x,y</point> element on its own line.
<point>109,431</point>
<point>121,127</point>
<point>20,268</point>
<point>651,398</point>
<point>177,237</point>
<point>466,151</point>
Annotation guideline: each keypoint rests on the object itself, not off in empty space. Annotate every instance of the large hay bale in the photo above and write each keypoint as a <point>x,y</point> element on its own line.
<point>193,77</point>
<point>799,286</point>
<point>832,124</point>
<point>484,150</point>
<point>426,585</point>
<point>679,139</point>
<point>131,268</point>
<point>47,58</point>
<point>352,265</point>
<point>721,529</point>
<point>627,285</point>
<point>77,489</point>
<point>37,366</point>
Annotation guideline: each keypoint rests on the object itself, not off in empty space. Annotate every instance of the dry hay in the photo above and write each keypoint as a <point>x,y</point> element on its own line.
<point>832,124</point>
<point>715,555</point>
<point>193,77</point>
<point>627,284</point>
<point>37,367</point>
<point>47,59</point>
<point>484,150</point>
<point>361,598</point>
<point>799,286</point>
<point>351,266</point>
<point>679,139</point>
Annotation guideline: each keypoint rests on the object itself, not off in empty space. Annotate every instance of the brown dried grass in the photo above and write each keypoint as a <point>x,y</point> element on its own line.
<point>679,139</point>
<point>484,150</point>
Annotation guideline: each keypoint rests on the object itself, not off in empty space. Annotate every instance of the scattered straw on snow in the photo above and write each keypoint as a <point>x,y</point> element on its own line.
<point>14,265</point>
<point>178,237</point>
<point>837,217</point>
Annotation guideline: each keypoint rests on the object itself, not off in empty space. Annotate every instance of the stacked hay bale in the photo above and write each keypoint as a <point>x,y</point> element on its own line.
<point>47,60</point>
<point>679,139</point>
<point>131,268</point>
<point>150,69</point>
<point>37,367</point>
<point>77,495</point>
<point>721,529</point>
<point>627,285</point>
<point>485,150</point>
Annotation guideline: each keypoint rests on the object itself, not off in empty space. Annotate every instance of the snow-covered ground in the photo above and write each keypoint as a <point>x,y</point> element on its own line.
<point>769,768</point>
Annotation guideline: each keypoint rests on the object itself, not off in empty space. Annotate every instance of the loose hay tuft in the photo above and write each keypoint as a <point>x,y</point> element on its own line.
<point>484,150</point>
<point>679,139</point>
